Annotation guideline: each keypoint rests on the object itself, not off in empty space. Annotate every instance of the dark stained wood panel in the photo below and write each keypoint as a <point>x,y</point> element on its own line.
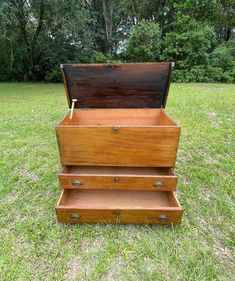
<point>132,85</point>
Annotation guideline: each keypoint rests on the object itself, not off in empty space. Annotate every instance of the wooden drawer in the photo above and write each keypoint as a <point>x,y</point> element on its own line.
<point>118,137</point>
<point>125,207</point>
<point>155,179</point>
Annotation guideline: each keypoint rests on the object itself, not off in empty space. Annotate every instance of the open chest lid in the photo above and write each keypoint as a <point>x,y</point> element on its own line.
<point>130,85</point>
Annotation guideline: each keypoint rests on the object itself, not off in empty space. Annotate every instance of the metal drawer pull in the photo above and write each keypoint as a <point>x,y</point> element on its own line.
<point>75,217</point>
<point>158,184</point>
<point>163,218</point>
<point>76,182</point>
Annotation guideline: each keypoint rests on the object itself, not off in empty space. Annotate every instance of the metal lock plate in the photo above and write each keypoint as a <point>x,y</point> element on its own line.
<point>116,179</point>
<point>116,130</point>
<point>117,212</point>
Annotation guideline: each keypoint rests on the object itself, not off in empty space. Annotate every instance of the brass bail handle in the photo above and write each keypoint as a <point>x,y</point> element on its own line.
<point>72,108</point>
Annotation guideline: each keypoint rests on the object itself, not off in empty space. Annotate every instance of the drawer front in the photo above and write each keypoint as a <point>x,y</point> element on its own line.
<point>153,183</point>
<point>86,216</point>
<point>150,217</point>
<point>119,216</point>
<point>107,146</point>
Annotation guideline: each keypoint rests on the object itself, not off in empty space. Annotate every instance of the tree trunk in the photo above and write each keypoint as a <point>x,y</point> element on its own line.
<point>228,34</point>
<point>19,10</point>
<point>108,19</point>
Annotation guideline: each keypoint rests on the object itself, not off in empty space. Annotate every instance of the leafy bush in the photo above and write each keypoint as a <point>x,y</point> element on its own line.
<point>144,43</point>
<point>53,75</point>
<point>189,45</point>
<point>222,67</point>
<point>102,58</point>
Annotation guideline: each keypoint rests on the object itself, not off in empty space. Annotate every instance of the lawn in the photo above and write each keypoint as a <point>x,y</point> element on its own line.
<point>34,246</point>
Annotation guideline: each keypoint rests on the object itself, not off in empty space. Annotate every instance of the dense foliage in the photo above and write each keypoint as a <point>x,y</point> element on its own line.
<point>37,35</point>
<point>144,43</point>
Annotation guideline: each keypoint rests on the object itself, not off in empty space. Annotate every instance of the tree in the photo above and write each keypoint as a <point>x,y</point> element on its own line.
<point>144,43</point>
<point>37,35</point>
<point>41,40</point>
<point>189,45</point>
<point>226,18</point>
<point>20,13</point>
<point>222,63</point>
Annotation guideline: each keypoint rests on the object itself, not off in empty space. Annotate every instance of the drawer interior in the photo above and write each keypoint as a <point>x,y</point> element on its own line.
<point>117,199</point>
<point>125,171</point>
<point>118,117</point>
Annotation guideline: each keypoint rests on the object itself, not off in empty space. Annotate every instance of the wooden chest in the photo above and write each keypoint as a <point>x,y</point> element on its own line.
<point>118,146</point>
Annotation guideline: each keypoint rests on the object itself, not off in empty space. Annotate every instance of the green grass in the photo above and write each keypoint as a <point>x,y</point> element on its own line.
<point>34,246</point>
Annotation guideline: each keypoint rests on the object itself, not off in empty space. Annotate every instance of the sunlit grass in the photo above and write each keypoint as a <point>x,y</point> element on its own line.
<point>34,246</point>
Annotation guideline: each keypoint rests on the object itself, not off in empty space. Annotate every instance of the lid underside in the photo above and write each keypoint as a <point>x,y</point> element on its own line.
<point>131,85</point>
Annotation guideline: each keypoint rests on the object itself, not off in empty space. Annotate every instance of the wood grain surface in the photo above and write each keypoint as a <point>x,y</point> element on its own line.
<point>101,146</point>
<point>132,85</point>
<point>132,207</point>
<point>118,178</point>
